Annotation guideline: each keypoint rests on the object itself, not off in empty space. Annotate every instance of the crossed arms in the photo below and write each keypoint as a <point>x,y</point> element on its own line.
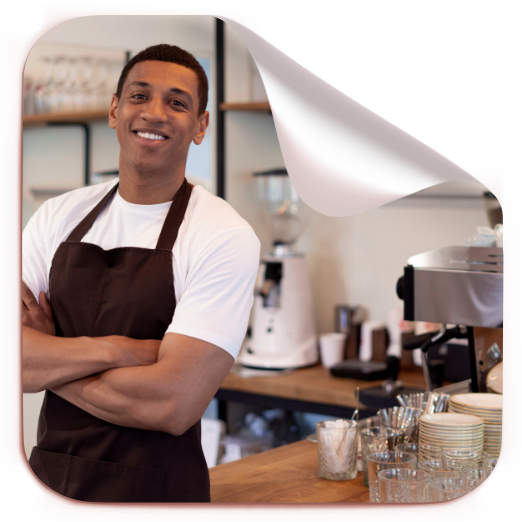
<point>156,385</point>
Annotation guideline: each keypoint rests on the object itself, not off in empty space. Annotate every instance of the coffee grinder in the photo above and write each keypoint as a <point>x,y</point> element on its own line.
<point>282,333</point>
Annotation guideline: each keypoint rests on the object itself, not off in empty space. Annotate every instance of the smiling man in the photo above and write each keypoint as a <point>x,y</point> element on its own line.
<point>144,290</point>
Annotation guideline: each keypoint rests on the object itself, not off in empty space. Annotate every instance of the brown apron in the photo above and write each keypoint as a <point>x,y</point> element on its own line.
<point>123,291</point>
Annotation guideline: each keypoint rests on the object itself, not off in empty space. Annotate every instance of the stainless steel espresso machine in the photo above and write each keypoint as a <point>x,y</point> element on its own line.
<point>461,288</point>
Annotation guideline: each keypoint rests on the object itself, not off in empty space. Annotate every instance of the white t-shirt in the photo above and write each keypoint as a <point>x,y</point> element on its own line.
<point>215,257</point>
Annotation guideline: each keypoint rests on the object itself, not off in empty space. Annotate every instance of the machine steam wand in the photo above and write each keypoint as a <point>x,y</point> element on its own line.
<point>427,340</point>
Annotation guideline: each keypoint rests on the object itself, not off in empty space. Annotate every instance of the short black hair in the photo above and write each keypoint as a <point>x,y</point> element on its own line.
<point>172,54</point>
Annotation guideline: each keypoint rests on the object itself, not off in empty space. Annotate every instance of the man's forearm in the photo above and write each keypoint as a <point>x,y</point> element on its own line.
<point>132,397</point>
<point>49,361</point>
<point>170,395</point>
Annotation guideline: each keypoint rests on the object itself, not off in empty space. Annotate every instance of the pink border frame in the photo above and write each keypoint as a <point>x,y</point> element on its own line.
<point>48,505</point>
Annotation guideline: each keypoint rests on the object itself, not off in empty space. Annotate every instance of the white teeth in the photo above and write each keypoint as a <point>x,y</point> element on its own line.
<point>150,136</point>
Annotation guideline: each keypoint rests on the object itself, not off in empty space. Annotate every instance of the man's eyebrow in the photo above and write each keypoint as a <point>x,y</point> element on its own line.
<point>175,90</point>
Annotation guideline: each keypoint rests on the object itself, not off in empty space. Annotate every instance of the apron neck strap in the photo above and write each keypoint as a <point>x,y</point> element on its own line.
<point>169,232</point>
<point>84,226</point>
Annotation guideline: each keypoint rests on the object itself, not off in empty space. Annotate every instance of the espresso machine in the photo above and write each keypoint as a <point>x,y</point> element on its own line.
<point>462,289</point>
<point>282,333</point>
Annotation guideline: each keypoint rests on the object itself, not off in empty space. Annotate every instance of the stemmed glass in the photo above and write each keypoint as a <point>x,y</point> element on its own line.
<point>61,84</point>
<point>114,76</point>
<point>66,86</point>
<point>83,91</point>
<point>46,99</point>
<point>101,88</point>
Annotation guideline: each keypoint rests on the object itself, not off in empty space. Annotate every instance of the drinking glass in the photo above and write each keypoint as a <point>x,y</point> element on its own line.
<point>403,485</point>
<point>337,449</point>
<point>40,93</point>
<point>442,489</point>
<point>386,460</point>
<point>61,80</point>
<point>409,447</point>
<point>46,94</point>
<point>115,68</point>
<point>440,468</point>
<point>68,85</point>
<point>429,452</point>
<point>490,463</point>
<point>101,89</point>
<point>379,438</point>
<point>478,473</point>
<point>468,458</point>
<point>482,468</point>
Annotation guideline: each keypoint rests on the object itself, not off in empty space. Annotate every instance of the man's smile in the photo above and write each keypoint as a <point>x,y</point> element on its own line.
<point>150,135</point>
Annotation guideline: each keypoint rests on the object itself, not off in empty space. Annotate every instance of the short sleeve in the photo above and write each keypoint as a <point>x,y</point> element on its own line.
<point>218,297</point>
<point>35,272</point>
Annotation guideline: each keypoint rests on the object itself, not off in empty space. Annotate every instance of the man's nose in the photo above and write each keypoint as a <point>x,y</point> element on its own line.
<point>154,110</point>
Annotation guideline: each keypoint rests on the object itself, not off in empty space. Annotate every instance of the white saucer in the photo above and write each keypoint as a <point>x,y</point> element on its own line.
<point>478,401</point>
<point>451,420</point>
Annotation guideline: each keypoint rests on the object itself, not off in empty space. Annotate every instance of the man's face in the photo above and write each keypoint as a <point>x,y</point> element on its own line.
<point>156,118</point>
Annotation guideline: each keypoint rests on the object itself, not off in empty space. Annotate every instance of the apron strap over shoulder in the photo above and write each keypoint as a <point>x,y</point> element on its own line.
<point>84,226</point>
<point>169,232</point>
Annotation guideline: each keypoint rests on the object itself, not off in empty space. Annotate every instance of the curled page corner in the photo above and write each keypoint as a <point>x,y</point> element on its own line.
<point>342,158</point>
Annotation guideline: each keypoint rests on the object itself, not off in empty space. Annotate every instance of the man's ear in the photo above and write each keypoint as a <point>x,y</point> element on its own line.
<point>112,111</point>
<point>202,128</point>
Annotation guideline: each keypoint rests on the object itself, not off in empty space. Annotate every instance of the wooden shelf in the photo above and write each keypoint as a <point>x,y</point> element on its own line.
<point>248,106</point>
<point>42,119</point>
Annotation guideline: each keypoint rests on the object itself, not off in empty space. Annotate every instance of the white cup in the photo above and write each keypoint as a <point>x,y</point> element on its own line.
<point>332,348</point>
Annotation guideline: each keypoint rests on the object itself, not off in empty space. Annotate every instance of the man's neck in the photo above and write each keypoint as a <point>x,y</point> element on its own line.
<point>149,188</point>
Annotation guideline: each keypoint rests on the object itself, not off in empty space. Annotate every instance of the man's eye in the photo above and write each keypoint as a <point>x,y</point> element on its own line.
<point>138,96</point>
<point>177,103</point>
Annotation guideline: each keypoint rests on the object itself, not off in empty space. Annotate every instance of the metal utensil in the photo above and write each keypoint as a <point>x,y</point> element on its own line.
<point>356,411</point>
<point>406,419</point>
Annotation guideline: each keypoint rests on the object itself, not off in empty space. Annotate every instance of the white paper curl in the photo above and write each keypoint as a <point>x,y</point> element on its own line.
<point>341,157</point>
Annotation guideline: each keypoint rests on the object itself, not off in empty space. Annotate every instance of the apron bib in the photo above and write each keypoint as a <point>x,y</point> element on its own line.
<point>123,291</point>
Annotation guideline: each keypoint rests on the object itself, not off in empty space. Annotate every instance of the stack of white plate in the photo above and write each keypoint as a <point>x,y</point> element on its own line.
<point>487,406</point>
<point>452,431</point>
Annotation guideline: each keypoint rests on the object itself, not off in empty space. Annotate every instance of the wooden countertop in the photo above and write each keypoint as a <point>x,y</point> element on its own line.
<point>314,384</point>
<point>285,475</point>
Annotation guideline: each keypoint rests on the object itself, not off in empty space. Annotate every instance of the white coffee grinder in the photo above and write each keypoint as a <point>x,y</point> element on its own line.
<point>283,331</point>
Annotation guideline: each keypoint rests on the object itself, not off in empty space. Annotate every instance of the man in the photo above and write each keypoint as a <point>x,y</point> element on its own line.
<point>128,379</point>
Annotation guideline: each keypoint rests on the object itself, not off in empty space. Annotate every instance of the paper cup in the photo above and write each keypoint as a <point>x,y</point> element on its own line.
<point>332,348</point>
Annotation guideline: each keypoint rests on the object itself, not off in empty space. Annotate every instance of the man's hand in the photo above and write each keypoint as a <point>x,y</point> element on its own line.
<point>37,316</point>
